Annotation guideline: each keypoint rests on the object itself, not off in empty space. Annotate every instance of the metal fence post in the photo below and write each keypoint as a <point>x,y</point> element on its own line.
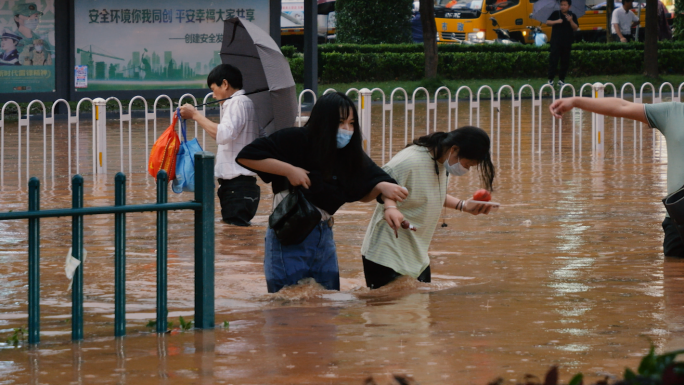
<point>34,264</point>
<point>120,257</point>
<point>162,249</point>
<point>598,121</point>
<point>365,117</point>
<point>77,252</point>
<point>100,133</point>
<point>204,240</point>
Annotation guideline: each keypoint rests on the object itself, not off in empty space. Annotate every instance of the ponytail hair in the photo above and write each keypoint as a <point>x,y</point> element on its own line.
<point>473,143</point>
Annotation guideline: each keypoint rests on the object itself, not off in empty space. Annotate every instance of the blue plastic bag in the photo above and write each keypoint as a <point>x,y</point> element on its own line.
<point>185,162</point>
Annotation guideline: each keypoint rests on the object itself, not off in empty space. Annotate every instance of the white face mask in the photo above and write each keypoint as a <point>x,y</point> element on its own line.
<point>455,169</point>
<point>39,48</point>
<point>31,24</point>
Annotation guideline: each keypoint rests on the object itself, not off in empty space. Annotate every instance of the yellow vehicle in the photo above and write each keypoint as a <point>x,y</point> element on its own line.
<point>292,22</point>
<point>469,20</point>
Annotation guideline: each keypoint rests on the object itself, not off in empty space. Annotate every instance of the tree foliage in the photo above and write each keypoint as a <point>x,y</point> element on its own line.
<point>678,24</point>
<point>373,22</point>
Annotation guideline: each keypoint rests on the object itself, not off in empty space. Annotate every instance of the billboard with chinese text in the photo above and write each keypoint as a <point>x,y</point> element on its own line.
<point>27,53</point>
<point>130,45</point>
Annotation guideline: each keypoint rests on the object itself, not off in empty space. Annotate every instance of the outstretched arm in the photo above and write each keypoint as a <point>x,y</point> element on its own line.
<point>605,106</point>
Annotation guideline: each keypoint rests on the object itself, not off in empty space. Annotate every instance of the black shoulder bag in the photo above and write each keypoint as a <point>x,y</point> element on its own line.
<point>294,218</point>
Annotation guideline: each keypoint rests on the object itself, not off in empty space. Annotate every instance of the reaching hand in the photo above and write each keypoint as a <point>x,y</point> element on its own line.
<point>298,177</point>
<point>560,106</point>
<point>393,191</point>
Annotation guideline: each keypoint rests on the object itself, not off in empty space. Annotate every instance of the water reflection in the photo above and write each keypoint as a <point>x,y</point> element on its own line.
<point>673,290</point>
<point>568,272</point>
<point>205,345</point>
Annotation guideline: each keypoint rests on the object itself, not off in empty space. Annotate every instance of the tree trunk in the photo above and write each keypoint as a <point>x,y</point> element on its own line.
<point>427,19</point>
<point>610,7</point>
<point>651,43</point>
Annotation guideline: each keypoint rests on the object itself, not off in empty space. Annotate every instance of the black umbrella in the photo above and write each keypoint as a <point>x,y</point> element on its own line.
<point>266,75</point>
<point>326,6</point>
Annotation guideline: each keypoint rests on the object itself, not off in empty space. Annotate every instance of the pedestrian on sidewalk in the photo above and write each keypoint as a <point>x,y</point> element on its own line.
<point>563,26</point>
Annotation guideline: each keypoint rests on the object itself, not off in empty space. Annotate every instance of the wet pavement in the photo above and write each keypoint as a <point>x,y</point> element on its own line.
<point>568,272</point>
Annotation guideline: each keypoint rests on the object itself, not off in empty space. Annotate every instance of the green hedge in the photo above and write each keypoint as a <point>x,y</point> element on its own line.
<point>291,52</point>
<point>373,22</point>
<point>357,67</point>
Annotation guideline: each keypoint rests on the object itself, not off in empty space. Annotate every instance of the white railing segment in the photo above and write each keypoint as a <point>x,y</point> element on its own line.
<point>434,104</point>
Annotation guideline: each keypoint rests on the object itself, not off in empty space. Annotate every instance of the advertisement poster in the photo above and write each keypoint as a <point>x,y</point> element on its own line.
<point>292,17</point>
<point>27,53</point>
<point>81,77</point>
<point>134,45</point>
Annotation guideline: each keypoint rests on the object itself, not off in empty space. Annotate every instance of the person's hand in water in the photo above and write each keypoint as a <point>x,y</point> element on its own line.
<point>299,177</point>
<point>393,191</point>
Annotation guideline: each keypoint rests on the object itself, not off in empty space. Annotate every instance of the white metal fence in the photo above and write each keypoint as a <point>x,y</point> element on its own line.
<point>463,105</point>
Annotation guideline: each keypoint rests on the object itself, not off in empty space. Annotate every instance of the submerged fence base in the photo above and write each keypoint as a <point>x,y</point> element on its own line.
<point>203,205</point>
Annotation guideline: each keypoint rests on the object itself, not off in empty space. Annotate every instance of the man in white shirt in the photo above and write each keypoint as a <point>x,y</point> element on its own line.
<point>238,191</point>
<point>622,21</point>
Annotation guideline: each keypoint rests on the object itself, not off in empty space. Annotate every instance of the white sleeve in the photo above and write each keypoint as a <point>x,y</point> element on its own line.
<point>634,17</point>
<point>614,18</point>
<point>233,122</point>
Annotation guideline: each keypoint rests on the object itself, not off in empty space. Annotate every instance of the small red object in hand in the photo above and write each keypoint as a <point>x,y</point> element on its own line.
<point>406,225</point>
<point>482,195</point>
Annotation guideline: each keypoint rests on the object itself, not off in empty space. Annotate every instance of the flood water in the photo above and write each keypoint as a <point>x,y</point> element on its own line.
<point>568,272</point>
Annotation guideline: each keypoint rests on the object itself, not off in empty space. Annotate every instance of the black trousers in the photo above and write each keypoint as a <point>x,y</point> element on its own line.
<point>239,199</point>
<point>559,52</point>
<point>378,275</point>
<point>672,244</point>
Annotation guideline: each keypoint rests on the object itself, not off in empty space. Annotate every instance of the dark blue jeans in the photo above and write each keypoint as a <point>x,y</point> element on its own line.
<point>315,258</point>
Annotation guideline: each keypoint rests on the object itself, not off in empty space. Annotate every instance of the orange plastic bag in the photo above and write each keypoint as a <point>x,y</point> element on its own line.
<point>164,151</point>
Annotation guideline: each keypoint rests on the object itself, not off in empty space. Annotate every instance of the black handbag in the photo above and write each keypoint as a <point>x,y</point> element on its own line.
<point>294,218</point>
<point>674,204</point>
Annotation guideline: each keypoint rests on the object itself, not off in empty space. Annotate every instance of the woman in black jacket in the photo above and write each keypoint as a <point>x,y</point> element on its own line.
<point>325,158</point>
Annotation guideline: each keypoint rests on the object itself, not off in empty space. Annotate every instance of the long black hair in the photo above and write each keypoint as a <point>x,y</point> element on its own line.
<point>322,127</point>
<point>473,143</point>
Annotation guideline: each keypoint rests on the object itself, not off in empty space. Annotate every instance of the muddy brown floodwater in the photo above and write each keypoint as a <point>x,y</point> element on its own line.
<point>568,272</point>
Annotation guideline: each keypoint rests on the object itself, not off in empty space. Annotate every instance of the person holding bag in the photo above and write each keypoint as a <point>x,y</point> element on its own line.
<point>238,190</point>
<point>324,164</point>
<point>424,168</point>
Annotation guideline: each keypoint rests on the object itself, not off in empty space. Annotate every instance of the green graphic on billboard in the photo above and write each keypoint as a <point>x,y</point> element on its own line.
<point>133,45</point>
<point>27,53</point>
